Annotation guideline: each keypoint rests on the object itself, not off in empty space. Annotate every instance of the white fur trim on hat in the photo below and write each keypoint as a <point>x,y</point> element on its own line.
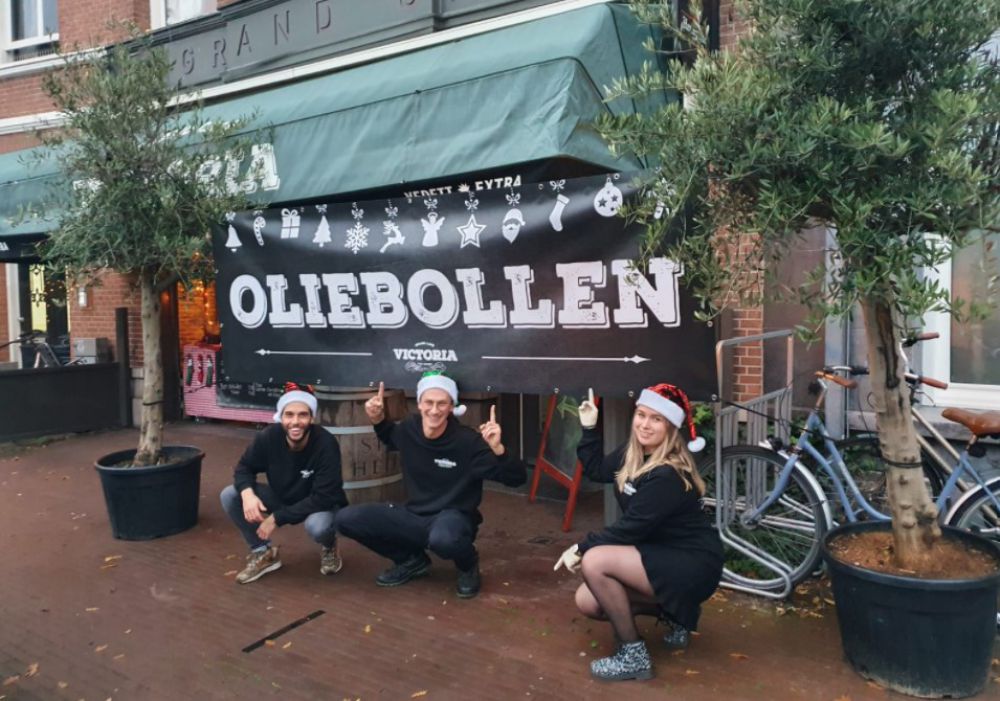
<point>296,395</point>
<point>441,382</point>
<point>671,411</point>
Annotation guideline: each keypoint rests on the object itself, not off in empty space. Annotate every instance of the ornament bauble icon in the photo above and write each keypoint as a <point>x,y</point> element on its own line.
<point>608,200</point>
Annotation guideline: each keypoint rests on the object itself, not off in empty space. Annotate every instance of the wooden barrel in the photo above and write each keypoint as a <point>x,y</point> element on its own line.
<point>371,473</point>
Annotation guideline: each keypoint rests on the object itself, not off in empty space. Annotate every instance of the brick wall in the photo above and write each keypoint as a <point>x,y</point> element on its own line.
<point>196,313</point>
<point>85,23</point>
<point>22,95</point>
<point>731,25</point>
<point>97,319</point>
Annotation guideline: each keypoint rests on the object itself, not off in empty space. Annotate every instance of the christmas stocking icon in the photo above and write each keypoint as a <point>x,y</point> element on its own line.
<point>555,218</point>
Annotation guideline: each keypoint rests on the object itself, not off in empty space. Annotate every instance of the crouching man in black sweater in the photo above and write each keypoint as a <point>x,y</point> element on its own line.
<point>301,464</point>
<point>444,464</point>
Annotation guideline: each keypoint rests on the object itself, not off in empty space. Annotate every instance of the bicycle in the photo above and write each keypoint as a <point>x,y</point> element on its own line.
<point>36,342</point>
<point>771,508</point>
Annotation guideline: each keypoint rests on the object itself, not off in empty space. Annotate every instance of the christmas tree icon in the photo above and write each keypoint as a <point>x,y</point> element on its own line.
<point>322,235</point>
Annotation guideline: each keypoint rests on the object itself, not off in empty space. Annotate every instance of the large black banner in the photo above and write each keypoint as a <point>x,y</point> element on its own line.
<point>507,287</point>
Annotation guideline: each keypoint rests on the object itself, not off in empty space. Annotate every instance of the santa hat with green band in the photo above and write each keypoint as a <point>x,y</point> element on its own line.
<point>437,380</point>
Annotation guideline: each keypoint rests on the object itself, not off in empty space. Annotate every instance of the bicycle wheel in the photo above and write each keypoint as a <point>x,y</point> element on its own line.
<point>789,531</point>
<point>976,511</point>
<point>863,457</point>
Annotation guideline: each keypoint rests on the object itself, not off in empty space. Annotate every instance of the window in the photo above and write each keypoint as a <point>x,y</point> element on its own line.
<point>33,22</point>
<point>967,355</point>
<point>180,10</point>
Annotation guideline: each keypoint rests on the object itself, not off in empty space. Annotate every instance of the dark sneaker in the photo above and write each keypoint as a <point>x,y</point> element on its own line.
<point>413,567</point>
<point>330,561</point>
<point>468,582</point>
<point>676,637</point>
<point>259,564</point>
<point>630,662</point>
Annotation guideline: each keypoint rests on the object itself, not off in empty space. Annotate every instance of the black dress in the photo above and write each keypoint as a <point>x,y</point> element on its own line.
<point>681,551</point>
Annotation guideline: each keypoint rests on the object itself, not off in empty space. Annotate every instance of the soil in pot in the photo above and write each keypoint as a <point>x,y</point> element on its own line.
<point>947,559</point>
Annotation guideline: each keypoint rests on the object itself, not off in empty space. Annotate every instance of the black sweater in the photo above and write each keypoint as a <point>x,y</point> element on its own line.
<point>305,481</point>
<point>659,510</point>
<point>447,472</point>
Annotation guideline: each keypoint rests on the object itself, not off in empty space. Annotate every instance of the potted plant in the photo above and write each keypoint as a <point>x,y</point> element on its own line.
<point>877,121</point>
<point>141,194</point>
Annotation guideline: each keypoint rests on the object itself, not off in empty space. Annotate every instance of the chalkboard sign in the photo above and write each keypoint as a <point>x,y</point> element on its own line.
<point>557,451</point>
<point>244,395</point>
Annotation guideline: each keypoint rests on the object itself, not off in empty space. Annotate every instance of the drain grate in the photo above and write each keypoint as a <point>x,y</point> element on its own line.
<point>281,631</point>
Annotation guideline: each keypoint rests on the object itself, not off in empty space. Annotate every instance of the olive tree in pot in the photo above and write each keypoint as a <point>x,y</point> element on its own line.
<point>876,120</point>
<point>142,191</point>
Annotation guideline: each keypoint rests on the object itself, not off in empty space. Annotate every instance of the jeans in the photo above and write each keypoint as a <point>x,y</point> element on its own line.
<point>320,525</point>
<point>394,532</point>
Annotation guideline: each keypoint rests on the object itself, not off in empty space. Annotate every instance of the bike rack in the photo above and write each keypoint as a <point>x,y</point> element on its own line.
<point>750,423</point>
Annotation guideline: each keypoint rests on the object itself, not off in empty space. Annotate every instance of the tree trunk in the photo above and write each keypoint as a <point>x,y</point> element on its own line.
<point>914,516</point>
<point>151,430</point>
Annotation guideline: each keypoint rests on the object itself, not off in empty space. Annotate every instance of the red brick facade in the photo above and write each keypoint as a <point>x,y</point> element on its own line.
<point>97,319</point>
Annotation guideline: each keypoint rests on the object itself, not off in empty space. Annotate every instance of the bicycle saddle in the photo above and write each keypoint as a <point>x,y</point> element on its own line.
<point>985,424</point>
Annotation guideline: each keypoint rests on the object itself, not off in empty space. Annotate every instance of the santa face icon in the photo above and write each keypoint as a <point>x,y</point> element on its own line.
<point>512,223</point>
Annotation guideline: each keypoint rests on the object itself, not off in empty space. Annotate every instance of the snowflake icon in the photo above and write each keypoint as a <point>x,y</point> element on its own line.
<point>357,237</point>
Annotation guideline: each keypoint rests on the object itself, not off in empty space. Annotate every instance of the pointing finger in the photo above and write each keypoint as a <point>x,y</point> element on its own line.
<point>381,391</point>
<point>590,395</point>
<point>493,414</point>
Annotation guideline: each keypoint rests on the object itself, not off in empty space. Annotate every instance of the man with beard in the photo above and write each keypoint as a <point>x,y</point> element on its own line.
<point>301,465</point>
<point>444,464</point>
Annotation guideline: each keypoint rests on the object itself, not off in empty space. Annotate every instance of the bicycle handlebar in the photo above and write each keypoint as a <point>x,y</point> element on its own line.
<point>917,338</point>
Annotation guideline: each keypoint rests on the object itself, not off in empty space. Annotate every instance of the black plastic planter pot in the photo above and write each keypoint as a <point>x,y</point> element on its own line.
<point>929,638</point>
<point>152,502</point>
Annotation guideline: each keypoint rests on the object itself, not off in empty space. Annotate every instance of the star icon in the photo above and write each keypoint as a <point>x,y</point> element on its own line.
<point>470,232</point>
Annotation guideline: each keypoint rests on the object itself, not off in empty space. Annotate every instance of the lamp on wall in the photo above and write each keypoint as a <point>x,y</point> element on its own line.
<point>82,299</point>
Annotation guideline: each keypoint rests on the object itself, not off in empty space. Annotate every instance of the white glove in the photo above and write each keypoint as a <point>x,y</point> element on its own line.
<point>570,559</point>
<point>588,410</point>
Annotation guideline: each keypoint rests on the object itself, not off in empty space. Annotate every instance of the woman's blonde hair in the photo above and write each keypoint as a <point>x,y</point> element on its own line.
<point>672,452</point>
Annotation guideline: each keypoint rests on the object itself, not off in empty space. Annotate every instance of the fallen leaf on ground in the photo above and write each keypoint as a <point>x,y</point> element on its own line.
<point>128,631</point>
<point>112,558</point>
<point>32,670</point>
<point>119,656</point>
<point>92,609</point>
<point>109,565</point>
<point>62,685</point>
<point>231,557</point>
<point>100,648</point>
<point>418,694</point>
<point>230,573</point>
<point>368,628</point>
<point>739,656</point>
<point>269,643</point>
<point>691,672</point>
<point>286,645</point>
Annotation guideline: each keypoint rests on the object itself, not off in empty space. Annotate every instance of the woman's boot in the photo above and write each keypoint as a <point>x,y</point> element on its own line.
<point>630,662</point>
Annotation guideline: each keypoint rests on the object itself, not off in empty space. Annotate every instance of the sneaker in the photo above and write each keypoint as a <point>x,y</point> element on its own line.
<point>259,564</point>
<point>676,637</point>
<point>468,582</point>
<point>330,561</point>
<point>630,662</point>
<point>411,568</point>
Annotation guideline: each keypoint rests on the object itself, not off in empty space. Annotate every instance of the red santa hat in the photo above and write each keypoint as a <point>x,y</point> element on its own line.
<point>296,393</point>
<point>673,404</point>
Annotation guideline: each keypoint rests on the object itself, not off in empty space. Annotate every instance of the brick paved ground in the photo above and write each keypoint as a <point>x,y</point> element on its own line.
<point>164,619</point>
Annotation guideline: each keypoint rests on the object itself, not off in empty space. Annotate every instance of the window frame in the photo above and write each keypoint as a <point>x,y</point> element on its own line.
<point>935,358</point>
<point>39,39</point>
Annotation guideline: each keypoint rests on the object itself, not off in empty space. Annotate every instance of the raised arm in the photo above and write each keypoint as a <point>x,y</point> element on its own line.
<point>590,450</point>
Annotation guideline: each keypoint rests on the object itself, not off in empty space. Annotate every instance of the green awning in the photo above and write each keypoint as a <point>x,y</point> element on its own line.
<point>515,95</point>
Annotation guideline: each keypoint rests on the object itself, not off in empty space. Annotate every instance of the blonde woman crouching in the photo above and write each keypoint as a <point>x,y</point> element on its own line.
<point>662,557</point>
